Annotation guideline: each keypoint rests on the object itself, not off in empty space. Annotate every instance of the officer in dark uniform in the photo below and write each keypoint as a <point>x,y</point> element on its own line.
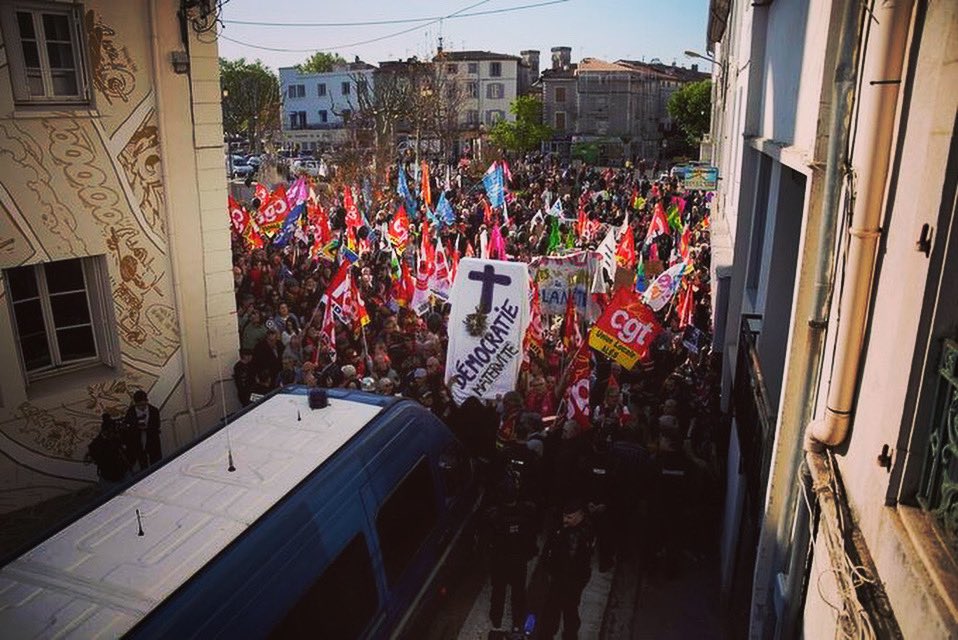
<point>599,478</point>
<point>512,543</point>
<point>568,561</point>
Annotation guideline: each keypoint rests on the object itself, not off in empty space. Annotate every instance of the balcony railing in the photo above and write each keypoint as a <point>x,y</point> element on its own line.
<point>316,125</point>
<point>939,483</point>
<point>754,417</point>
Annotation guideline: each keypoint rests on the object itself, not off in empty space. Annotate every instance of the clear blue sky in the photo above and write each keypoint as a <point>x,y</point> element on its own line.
<point>606,29</point>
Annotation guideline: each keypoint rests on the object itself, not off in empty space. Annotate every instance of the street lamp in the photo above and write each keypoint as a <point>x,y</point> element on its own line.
<point>693,54</point>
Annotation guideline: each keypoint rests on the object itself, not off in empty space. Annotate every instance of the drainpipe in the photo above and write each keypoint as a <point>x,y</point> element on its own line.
<point>788,455</point>
<point>175,274</point>
<point>881,73</point>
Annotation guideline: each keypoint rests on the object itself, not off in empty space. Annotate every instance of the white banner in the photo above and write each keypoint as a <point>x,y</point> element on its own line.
<point>488,319</point>
<point>556,275</point>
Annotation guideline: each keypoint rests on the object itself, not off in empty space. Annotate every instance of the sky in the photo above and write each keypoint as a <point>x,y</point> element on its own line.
<point>605,29</point>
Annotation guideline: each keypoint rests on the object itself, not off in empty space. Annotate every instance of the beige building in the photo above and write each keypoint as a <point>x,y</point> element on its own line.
<point>835,260</point>
<point>114,239</point>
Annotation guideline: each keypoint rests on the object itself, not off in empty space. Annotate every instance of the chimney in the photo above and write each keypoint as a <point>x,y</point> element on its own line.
<point>561,57</point>
<point>531,59</point>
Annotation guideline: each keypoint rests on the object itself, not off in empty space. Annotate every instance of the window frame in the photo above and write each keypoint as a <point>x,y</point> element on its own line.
<point>17,65</point>
<point>472,89</point>
<point>495,69</point>
<point>472,67</point>
<point>321,90</point>
<point>101,320</point>
<point>345,88</point>
<point>452,68</point>
<point>556,94</point>
<point>495,88</point>
<point>323,115</point>
<point>564,121</point>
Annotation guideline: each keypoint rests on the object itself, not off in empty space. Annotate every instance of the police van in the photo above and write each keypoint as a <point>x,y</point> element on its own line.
<point>333,522</point>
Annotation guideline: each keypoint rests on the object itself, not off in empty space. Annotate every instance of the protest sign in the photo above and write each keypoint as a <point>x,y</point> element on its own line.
<point>626,330</point>
<point>556,275</point>
<point>487,323</point>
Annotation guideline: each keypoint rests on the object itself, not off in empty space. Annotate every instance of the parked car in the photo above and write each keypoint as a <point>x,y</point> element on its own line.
<point>242,170</point>
<point>314,168</point>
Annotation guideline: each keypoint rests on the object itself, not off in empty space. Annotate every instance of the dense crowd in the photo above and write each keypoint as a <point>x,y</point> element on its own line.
<point>645,462</point>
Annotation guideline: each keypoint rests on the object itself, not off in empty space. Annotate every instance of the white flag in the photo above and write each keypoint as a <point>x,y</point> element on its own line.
<point>606,251</point>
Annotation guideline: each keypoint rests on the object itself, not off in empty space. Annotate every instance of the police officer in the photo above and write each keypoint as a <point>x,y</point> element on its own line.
<point>598,474</point>
<point>568,562</point>
<point>512,542</point>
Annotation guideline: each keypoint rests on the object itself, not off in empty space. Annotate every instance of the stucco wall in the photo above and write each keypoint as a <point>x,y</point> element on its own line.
<point>89,182</point>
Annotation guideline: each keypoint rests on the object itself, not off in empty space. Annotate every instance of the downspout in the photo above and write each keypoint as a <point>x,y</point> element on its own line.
<point>788,458</point>
<point>175,274</point>
<point>881,70</point>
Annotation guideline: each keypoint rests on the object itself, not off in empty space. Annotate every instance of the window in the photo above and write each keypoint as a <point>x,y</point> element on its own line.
<point>62,316</point>
<point>472,116</point>
<point>45,52</point>
<point>406,519</point>
<point>323,116</point>
<point>345,89</point>
<point>495,69</point>
<point>321,89</point>
<point>495,90</point>
<point>560,120</point>
<point>296,91</point>
<point>297,119</point>
<point>455,470</point>
<point>472,89</point>
<point>327,610</point>
<point>452,68</point>
<point>560,94</point>
<point>473,67</point>
<point>494,115</point>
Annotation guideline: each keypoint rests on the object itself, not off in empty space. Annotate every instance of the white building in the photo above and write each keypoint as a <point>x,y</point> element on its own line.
<point>317,106</point>
<point>834,130</point>
<point>487,84</point>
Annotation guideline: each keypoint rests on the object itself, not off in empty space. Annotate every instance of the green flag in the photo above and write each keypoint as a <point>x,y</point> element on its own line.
<point>675,218</point>
<point>554,238</point>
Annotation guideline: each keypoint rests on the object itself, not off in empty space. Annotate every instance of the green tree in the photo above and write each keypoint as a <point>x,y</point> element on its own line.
<point>251,103</point>
<point>691,109</point>
<point>527,132</point>
<point>320,62</point>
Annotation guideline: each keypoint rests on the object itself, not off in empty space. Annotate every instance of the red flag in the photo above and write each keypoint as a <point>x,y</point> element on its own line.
<point>659,223</point>
<point>571,335</point>
<point>425,188</point>
<point>454,264</point>
<point>470,252</point>
<point>486,212</point>
<point>398,230</point>
<point>273,212</point>
<point>338,294</point>
<point>327,335</point>
<point>238,216</point>
<point>533,341</point>
<point>404,287</point>
<point>685,243</point>
<point>581,223</point>
<point>686,306</point>
<point>361,315</point>
<point>353,219</point>
<point>319,222</point>
<point>625,252</point>
<point>578,389</point>
<point>261,193</point>
<point>253,236</point>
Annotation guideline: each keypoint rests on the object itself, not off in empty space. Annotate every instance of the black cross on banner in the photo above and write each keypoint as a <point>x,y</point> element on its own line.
<point>489,280</point>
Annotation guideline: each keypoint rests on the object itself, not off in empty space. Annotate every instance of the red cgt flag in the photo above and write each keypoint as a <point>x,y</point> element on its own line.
<point>625,252</point>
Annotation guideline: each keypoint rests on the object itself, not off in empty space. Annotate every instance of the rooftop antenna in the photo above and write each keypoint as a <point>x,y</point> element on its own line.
<point>229,445</point>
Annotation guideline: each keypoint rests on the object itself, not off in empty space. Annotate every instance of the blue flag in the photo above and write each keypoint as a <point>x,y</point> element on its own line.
<point>444,210</point>
<point>493,181</point>
<point>289,225</point>
<point>403,190</point>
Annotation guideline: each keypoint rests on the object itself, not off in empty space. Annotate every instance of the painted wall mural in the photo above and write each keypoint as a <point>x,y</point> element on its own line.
<point>85,185</point>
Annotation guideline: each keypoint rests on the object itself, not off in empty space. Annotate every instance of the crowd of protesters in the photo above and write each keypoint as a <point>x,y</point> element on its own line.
<point>636,482</point>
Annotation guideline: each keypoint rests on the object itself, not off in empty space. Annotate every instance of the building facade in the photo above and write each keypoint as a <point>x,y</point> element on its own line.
<point>619,106</point>
<point>487,84</point>
<point>834,130</point>
<point>317,106</point>
<point>112,225</point>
